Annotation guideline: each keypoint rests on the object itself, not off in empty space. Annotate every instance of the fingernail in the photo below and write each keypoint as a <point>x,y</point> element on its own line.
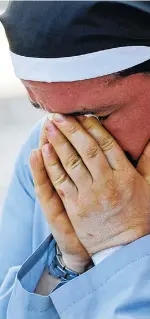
<point>47,149</point>
<point>33,154</point>
<point>50,127</point>
<point>34,157</point>
<point>50,116</point>
<point>58,117</point>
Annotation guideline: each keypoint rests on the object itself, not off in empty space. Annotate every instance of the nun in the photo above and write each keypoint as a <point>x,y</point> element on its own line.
<point>75,228</point>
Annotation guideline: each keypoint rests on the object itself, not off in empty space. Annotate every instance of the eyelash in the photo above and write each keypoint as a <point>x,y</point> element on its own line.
<point>103,118</point>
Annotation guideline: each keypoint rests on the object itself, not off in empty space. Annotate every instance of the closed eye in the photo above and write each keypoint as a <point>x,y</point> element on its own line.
<point>103,118</point>
<point>36,105</point>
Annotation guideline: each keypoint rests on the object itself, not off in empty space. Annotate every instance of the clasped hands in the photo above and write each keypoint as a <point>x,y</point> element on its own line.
<point>91,195</point>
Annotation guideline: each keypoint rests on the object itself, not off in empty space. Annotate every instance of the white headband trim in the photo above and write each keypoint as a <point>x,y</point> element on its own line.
<point>80,67</point>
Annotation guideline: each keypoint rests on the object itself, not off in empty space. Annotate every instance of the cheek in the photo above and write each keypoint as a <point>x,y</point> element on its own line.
<point>131,128</point>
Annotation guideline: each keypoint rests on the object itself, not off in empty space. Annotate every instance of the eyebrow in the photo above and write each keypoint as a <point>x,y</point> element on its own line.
<point>37,106</point>
<point>77,113</point>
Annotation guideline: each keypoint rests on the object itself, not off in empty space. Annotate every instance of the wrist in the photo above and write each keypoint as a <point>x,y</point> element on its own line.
<point>76,264</point>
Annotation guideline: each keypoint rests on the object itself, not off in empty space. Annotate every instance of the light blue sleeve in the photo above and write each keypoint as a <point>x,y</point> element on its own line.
<point>118,288</point>
<point>16,225</point>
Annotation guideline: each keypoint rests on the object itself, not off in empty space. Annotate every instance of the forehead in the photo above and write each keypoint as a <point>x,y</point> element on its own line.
<point>75,86</point>
<point>77,94</point>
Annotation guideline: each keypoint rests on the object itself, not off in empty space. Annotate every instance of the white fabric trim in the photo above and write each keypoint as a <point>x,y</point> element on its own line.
<point>81,67</point>
<point>99,257</point>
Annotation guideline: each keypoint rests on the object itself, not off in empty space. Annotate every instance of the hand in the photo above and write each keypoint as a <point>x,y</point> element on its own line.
<point>106,198</point>
<point>74,254</point>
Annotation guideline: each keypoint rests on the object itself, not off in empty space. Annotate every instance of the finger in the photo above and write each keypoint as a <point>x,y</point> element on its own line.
<point>52,205</point>
<point>84,144</point>
<point>143,166</point>
<point>43,137</point>
<point>58,176</point>
<point>111,149</point>
<point>69,158</point>
<point>43,187</point>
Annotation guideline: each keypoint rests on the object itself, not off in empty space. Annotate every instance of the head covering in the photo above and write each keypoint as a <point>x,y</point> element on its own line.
<point>61,41</point>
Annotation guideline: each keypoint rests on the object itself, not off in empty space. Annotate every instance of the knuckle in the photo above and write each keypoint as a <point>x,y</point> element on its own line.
<point>91,151</point>
<point>51,165</point>
<point>38,192</point>
<point>40,189</point>
<point>41,169</point>
<point>107,143</point>
<point>147,178</point>
<point>88,124</point>
<point>60,179</point>
<point>130,176</point>
<point>62,141</point>
<point>73,161</point>
<point>44,198</point>
<point>73,129</point>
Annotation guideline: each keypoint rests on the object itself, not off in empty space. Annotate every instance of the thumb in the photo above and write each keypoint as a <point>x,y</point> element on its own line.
<point>143,166</point>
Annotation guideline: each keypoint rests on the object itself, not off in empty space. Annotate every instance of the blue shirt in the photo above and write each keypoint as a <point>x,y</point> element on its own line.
<point>119,287</point>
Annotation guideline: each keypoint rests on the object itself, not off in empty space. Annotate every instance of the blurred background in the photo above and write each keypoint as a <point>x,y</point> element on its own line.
<point>17,116</point>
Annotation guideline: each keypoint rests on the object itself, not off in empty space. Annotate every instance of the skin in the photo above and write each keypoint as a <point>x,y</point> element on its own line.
<point>80,172</point>
<point>127,100</point>
<point>80,179</point>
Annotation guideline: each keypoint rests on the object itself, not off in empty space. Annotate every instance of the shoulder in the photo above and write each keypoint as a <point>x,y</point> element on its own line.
<point>22,165</point>
<point>31,142</point>
<point>22,173</point>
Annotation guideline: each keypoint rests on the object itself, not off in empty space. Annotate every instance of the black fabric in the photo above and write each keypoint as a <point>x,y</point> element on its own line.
<point>53,29</point>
